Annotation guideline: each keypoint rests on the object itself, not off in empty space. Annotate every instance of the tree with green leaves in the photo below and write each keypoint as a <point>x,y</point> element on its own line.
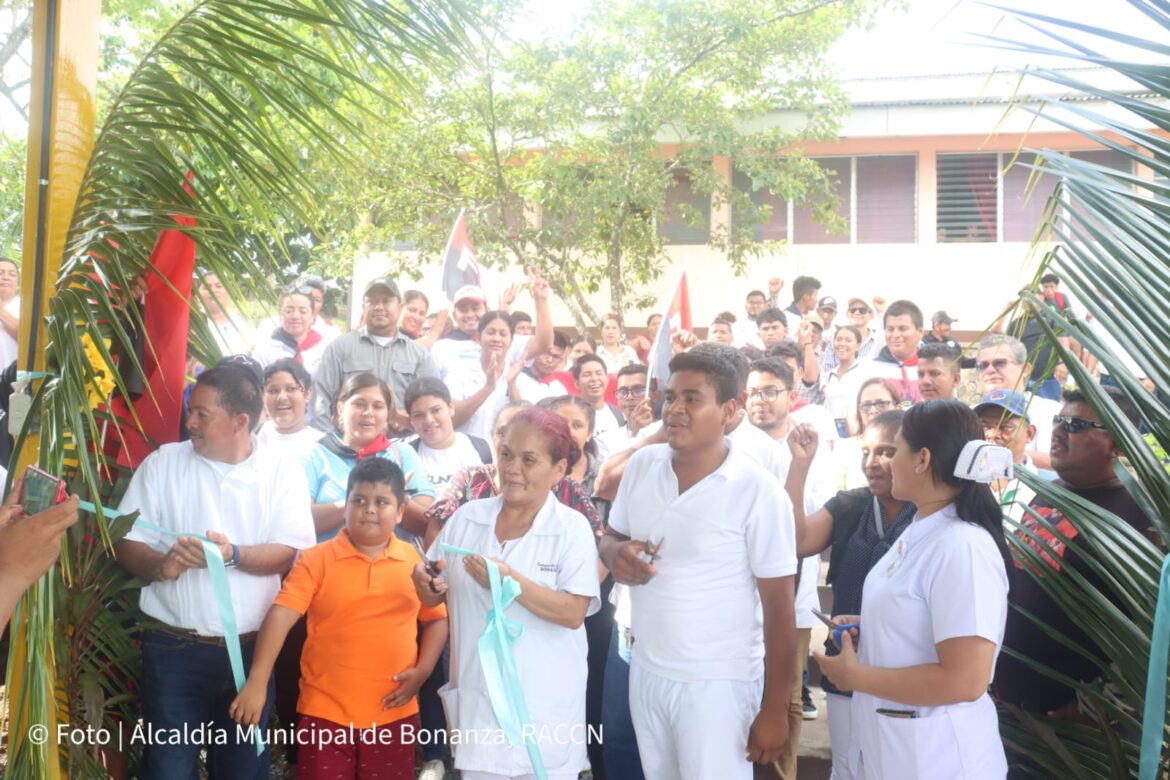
<point>573,153</point>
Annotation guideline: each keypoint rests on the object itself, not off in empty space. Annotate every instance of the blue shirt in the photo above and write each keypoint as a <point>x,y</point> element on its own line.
<point>328,474</point>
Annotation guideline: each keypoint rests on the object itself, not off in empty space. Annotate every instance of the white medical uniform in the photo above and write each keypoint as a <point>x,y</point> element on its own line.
<point>943,579</point>
<point>558,552</point>
<point>696,676</point>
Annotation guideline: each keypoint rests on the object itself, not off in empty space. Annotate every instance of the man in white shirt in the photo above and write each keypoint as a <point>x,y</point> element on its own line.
<point>252,503</point>
<point>537,381</point>
<point>1002,363</point>
<point>898,360</point>
<point>637,404</point>
<point>746,331</point>
<point>1004,414</point>
<point>592,380</point>
<point>694,534</point>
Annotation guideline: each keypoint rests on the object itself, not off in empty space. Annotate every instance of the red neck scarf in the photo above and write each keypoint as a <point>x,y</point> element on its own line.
<point>311,340</point>
<point>380,444</point>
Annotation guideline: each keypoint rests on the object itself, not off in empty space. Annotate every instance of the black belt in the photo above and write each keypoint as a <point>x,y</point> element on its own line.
<point>185,633</point>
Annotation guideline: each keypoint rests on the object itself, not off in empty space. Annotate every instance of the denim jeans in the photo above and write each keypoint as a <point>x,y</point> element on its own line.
<point>620,745</point>
<point>187,687</point>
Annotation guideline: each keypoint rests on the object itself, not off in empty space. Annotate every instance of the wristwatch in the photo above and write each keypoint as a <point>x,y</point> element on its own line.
<point>235,559</point>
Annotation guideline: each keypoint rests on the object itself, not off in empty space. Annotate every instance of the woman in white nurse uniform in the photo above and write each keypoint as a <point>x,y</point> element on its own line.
<point>549,550</point>
<point>932,612</point>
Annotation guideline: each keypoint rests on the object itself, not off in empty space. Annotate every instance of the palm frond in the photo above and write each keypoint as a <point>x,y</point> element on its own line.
<point>213,125</point>
<point>1110,234</point>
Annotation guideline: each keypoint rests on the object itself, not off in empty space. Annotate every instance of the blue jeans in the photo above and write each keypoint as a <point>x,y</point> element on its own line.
<point>620,746</point>
<point>189,685</point>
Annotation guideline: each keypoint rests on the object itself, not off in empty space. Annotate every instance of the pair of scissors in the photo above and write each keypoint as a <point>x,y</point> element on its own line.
<point>835,629</point>
<point>431,567</point>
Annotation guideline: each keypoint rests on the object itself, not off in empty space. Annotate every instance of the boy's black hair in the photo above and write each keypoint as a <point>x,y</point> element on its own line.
<point>378,471</point>
<point>720,374</point>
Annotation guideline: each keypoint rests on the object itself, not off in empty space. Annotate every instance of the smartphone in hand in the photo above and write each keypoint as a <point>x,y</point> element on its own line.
<point>41,490</point>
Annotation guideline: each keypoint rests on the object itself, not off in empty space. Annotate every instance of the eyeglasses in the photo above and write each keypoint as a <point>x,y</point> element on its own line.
<point>769,394</point>
<point>858,310</point>
<point>999,364</point>
<point>869,406</point>
<point>1075,424</point>
<point>630,392</point>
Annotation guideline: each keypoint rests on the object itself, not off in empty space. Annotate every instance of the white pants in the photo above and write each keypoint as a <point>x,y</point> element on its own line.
<point>840,731</point>
<point>693,730</point>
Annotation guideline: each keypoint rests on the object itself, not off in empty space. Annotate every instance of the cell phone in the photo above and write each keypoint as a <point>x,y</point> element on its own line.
<point>41,490</point>
<point>842,428</point>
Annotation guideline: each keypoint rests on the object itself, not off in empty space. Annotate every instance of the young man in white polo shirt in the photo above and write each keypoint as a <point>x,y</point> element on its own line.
<point>697,533</point>
<point>253,503</point>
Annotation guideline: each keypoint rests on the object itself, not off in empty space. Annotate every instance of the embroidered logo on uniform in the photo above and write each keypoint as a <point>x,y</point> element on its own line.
<point>548,568</point>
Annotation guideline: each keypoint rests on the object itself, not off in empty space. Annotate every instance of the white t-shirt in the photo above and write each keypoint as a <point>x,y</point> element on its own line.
<point>943,579</point>
<point>441,465</point>
<point>455,354</point>
<point>620,440</point>
<point>604,421</point>
<point>8,346</point>
<point>297,444</point>
<point>262,500</point>
<point>625,356</point>
<point>557,552</point>
<point>841,392</point>
<point>534,391</point>
<point>464,381</point>
<point>700,618</point>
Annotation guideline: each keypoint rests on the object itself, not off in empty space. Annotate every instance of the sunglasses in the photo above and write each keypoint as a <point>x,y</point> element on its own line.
<point>998,364</point>
<point>859,310</point>
<point>1075,424</point>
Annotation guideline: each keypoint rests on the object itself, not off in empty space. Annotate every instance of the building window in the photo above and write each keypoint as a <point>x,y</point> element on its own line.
<point>805,229</point>
<point>776,228</point>
<point>967,189</point>
<point>877,198</point>
<point>682,203</point>
<point>887,200</point>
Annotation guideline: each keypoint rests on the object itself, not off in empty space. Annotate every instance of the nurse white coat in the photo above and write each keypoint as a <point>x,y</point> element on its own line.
<point>558,552</point>
<point>944,579</point>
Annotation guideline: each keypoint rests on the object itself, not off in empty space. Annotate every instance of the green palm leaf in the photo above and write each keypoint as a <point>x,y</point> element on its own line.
<point>234,95</point>
<point>1112,239</point>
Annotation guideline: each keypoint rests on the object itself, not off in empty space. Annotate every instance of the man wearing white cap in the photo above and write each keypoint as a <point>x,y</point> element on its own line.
<point>459,350</point>
<point>378,347</point>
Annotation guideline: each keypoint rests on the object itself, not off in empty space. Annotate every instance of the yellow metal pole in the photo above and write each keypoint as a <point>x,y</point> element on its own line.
<point>62,122</point>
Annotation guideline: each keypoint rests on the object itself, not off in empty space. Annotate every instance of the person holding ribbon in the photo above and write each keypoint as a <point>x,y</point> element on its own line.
<point>362,414</point>
<point>522,546</point>
<point>933,611</point>
<point>218,500</point>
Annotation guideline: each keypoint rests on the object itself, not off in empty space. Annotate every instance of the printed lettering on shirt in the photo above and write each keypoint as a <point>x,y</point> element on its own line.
<point>1044,541</point>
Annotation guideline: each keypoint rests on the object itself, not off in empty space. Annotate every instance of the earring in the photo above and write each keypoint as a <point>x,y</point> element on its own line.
<point>918,470</point>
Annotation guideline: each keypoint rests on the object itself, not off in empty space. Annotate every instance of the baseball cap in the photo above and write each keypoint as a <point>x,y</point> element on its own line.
<point>828,302</point>
<point>469,292</point>
<point>385,284</point>
<point>943,317</point>
<point>815,321</point>
<point>1011,401</point>
<point>861,301</point>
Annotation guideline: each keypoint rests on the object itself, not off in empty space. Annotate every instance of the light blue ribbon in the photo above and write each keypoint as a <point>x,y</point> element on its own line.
<point>499,664</point>
<point>223,598</point>
<point>1154,720</point>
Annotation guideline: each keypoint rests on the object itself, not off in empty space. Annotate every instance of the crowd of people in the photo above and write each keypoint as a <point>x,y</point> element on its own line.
<point>387,499</point>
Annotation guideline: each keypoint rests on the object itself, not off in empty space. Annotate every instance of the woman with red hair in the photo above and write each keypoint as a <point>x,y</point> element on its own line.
<point>548,549</point>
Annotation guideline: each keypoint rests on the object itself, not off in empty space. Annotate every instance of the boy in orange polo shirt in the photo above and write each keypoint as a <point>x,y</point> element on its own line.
<point>362,664</point>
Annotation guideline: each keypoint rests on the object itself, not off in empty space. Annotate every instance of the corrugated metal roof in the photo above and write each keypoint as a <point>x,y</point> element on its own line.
<point>983,88</point>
